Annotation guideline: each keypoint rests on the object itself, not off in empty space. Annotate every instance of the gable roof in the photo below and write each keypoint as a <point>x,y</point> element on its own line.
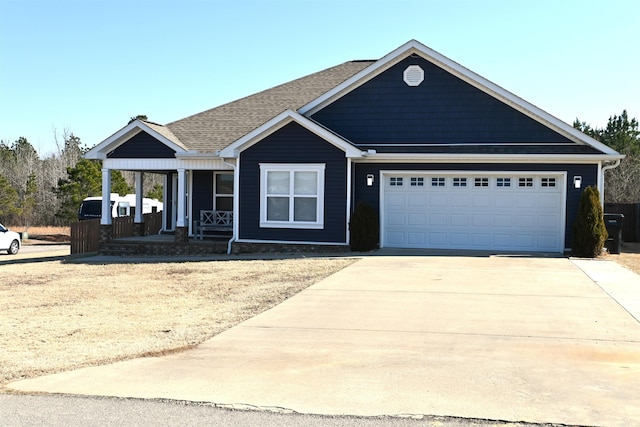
<point>159,132</point>
<point>215,129</point>
<point>282,120</point>
<point>237,122</point>
<point>414,47</point>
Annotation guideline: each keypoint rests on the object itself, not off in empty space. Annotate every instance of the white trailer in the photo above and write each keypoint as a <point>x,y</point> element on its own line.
<point>91,207</point>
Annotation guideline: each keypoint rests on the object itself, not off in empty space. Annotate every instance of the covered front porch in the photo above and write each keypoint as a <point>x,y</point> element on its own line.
<point>194,182</point>
<point>198,206</point>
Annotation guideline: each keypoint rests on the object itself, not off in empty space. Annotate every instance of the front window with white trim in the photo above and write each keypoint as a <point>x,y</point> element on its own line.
<point>292,195</point>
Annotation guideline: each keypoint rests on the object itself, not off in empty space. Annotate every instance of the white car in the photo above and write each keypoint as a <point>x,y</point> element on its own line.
<point>9,240</point>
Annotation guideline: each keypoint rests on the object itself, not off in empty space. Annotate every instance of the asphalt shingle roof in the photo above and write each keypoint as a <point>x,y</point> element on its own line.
<point>218,127</point>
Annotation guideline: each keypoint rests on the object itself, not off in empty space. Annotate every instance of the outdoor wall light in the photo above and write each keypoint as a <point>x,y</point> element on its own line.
<point>369,180</point>
<point>577,181</point>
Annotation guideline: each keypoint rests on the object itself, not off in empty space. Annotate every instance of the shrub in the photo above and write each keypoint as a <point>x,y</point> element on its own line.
<point>364,228</point>
<point>589,231</point>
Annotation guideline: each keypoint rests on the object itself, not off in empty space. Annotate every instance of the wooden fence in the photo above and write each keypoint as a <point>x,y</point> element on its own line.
<point>631,221</point>
<point>85,235</point>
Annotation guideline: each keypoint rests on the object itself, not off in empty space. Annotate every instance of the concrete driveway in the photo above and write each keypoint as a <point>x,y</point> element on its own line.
<point>538,339</point>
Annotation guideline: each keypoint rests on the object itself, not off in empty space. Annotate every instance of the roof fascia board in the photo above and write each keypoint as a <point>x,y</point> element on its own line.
<point>465,74</point>
<point>488,158</point>
<point>278,122</point>
<point>100,151</point>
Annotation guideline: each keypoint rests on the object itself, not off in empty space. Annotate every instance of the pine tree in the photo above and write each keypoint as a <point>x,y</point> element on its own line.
<point>589,231</point>
<point>364,228</point>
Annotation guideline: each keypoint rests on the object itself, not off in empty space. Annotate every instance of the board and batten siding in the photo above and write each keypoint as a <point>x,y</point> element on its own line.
<point>293,144</point>
<point>371,195</point>
<point>442,109</point>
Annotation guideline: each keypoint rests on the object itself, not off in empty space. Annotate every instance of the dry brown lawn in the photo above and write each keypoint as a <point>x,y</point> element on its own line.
<point>57,316</point>
<point>630,256</point>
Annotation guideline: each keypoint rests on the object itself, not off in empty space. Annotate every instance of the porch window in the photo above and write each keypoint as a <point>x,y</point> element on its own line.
<point>292,195</point>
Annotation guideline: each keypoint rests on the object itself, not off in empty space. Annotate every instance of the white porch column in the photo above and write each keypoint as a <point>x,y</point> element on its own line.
<point>139,192</point>
<point>106,197</point>
<point>182,196</point>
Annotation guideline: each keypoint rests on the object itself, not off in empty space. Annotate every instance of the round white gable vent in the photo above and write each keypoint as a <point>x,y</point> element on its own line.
<point>413,75</point>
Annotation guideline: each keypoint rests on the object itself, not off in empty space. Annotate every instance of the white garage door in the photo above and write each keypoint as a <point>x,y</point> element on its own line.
<point>480,211</point>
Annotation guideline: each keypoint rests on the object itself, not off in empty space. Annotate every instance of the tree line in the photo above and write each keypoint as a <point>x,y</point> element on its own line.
<point>47,191</point>
<point>622,184</point>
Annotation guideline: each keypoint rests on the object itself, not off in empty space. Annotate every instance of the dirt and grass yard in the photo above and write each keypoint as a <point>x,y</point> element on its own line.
<point>58,315</point>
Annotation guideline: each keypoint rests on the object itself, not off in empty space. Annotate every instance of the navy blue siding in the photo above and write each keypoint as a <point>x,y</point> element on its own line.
<point>443,109</point>
<point>371,195</point>
<point>142,146</point>
<point>202,192</point>
<point>294,144</point>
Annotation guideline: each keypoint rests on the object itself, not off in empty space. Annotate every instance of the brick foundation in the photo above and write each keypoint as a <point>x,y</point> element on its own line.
<point>182,235</point>
<point>132,248</point>
<point>138,229</point>
<point>105,233</point>
<point>278,248</point>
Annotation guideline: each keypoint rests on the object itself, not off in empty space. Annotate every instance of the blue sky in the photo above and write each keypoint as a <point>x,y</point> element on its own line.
<point>87,66</point>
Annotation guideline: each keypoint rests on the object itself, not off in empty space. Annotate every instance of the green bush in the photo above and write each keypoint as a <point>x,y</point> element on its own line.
<point>364,228</point>
<point>589,231</point>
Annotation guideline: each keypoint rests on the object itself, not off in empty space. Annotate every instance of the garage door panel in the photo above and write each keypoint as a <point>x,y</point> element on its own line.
<point>397,218</point>
<point>525,201</point>
<point>524,241</point>
<point>438,200</point>
<point>416,239</point>
<point>548,241</point>
<point>438,219</point>
<point>502,240</point>
<point>481,240</point>
<point>417,219</point>
<point>437,239</point>
<point>459,200</point>
<point>459,240</point>
<point>416,200</point>
<point>397,200</point>
<point>504,201</point>
<point>497,214</point>
<point>480,200</point>
<point>395,238</point>
<point>527,221</point>
<point>548,201</point>
<point>481,220</point>
<point>459,220</point>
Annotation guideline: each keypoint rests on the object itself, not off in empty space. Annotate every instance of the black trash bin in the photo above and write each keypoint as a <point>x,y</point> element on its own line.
<point>613,222</point>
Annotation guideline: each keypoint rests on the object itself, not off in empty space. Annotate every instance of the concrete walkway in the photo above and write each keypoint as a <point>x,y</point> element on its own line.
<point>537,339</point>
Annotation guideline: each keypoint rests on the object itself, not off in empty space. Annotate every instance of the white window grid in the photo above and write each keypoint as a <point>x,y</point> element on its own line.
<point>481,182</point>
<point>547,182</point>
<point>525,182</point>
<point>503,182</point>
<point>395,181</point>
<point>459,182</point>
<point>438,181</point>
